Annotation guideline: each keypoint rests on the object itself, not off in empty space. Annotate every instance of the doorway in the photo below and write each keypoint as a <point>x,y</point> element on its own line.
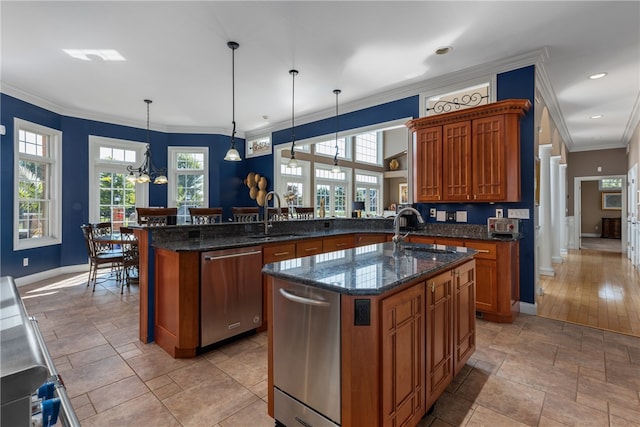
<point>596,208</point>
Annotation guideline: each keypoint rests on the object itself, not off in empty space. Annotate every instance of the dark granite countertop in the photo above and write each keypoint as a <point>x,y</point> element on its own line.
<point>203,238</point>
<point>369,270</point>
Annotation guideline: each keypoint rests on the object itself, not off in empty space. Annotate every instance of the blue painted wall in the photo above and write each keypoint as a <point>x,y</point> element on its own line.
<point>226,178</point>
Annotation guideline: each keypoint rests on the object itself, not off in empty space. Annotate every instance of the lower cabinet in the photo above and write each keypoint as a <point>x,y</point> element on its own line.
<point>403,357</point>
<point>464,284</point>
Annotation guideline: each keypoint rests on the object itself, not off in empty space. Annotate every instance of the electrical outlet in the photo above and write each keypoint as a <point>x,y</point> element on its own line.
<point>432,212</point>
<point>499,213</point>
<point>25,262</point>
<point>451,216</point>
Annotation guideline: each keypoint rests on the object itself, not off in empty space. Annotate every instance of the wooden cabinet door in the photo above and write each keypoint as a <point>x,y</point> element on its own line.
<point>403,357</point>
<point>370,239</point>
<point>308,247</point>
<point>338,243</point>
<point>456,163</point>
<point>489,167</point>
<point>464,318</point>
<point>486,275</point>
<point>439,335</point>
<point>427,165</point>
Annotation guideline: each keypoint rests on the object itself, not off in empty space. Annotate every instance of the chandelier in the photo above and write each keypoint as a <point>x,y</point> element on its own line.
<point>147,171</point>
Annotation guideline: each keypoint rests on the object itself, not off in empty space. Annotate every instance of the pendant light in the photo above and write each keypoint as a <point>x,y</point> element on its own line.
<point>336,167</point>
<point>147,171</point>
<point>293,163</point>
<point>232,154</point>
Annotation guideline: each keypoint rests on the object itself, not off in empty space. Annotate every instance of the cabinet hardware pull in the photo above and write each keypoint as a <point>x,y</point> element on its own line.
<point>281,253</point>
<point>433,286</point>
<point>483,251</point>
<point>340,244</point>
<point>311,249</point>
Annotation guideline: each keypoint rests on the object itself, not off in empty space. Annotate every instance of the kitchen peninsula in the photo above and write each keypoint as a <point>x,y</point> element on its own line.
<point>172,260</point>
<point>370,335</point>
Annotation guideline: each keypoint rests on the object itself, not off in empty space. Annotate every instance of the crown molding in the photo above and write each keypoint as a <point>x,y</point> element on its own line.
<point>434,84</point>
<point>108,118</point>
<point>633,123</point>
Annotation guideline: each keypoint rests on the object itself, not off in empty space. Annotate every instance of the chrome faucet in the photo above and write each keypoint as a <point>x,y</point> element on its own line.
<point>397,238</point>
<point>266,210</point>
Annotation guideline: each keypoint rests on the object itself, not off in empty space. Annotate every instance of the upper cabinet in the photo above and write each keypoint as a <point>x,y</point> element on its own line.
<point>472,155</point>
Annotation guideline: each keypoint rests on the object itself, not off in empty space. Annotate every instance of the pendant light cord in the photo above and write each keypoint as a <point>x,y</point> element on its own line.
<point>293,100</point>
<point>148,101</point>
<point>233,46</point>
<point>335,158</point>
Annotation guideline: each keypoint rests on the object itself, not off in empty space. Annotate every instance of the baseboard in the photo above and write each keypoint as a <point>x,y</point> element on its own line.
<point>528,308</point>
<point>33,278</point>
<point>590,235</point>
<point>547,272</point>
<point>556,259</point>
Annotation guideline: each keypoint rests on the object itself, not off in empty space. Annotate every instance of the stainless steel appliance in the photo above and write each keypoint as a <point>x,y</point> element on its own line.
<point>230,293</point>
<point>503,226</point>
<point>306,356</point>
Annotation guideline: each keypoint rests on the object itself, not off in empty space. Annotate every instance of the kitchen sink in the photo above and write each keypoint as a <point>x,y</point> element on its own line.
<point>272,236</point>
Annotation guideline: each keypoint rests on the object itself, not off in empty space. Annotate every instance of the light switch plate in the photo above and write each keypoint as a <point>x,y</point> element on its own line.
<point>499,213</point>
<point>461,216</point>
<point>441,216</point>
<point>518,213</point>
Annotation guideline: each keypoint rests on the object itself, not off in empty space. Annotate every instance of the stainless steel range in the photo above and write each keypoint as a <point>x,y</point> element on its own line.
<point>306,366</point>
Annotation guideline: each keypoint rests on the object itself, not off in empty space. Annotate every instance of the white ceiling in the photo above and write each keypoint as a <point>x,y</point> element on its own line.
<point>177,55</point>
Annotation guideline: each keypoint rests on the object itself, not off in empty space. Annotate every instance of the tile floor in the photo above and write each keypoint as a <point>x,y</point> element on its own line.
<point>535,372</point>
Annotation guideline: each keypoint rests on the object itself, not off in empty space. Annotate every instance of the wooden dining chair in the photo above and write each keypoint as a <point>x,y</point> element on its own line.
<point>205,215</point>
<point>130,257</point>
<point>99,256</point>
<point>248,214</point>
<point>156,216</point>
<point>275,216</point>
<point>305,213</point>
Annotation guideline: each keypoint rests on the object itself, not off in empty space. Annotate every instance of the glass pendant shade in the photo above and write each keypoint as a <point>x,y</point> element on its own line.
<point>293,163</point>
<point>232,155</point>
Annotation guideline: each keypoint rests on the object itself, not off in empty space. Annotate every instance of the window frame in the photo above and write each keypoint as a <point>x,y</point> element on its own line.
<point>54,199</point>
<point>96,164</point>
<point>173,172</point>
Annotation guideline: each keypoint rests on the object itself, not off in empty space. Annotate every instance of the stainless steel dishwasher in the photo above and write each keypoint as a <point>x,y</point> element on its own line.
<point>230,293</point>
<point>306,355</point>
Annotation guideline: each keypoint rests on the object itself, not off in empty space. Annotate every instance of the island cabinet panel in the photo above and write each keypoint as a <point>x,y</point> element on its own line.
<point>177,302</point>
<point>464,315</point>
<point>439,310</point>
<point>469,155</point>
<point>456,180</point>
<point>427,164</point>
<point>403,357</point>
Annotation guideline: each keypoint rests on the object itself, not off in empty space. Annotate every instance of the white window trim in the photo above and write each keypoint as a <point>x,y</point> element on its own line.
<point>348,183</point>
<point>55,204</point>
<point>304,179</point>
<point>379,187</point>
<point>172,155</point>
<point>95,142</point>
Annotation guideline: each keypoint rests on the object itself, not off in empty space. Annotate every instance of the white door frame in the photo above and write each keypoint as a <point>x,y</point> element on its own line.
<point>577,208</point>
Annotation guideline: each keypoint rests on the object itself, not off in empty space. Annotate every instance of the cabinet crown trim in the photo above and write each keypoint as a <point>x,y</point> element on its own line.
<point>508,106</point>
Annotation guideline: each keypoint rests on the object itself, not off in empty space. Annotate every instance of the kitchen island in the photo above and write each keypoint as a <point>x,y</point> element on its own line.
<point>379,332</point>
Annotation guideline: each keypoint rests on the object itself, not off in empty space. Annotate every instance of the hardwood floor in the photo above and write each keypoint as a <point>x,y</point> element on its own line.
<point>594,288</point>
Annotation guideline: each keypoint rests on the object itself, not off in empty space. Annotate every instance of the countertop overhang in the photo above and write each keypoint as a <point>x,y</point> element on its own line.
<point>371,269</point>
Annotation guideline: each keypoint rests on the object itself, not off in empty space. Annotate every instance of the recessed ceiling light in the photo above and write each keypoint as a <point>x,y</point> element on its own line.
<point>104,54</point>
<point>597,76</point>
<point>597,116</point>
<point>444,50</point>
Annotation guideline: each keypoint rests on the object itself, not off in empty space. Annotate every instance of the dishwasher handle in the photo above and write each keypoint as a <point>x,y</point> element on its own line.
<point>303,300</point>
<point>239,254</point>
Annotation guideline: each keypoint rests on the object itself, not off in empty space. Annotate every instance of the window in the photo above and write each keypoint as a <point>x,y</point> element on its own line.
<point>332,190</point>
<point>111,197</point>
<point>368,190</point>
<point>328,148</point>
<point>458,99</point>
<point>294,184</point>
<point>188,179</point>
<point>37,189</point>
<point>366,147</point>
